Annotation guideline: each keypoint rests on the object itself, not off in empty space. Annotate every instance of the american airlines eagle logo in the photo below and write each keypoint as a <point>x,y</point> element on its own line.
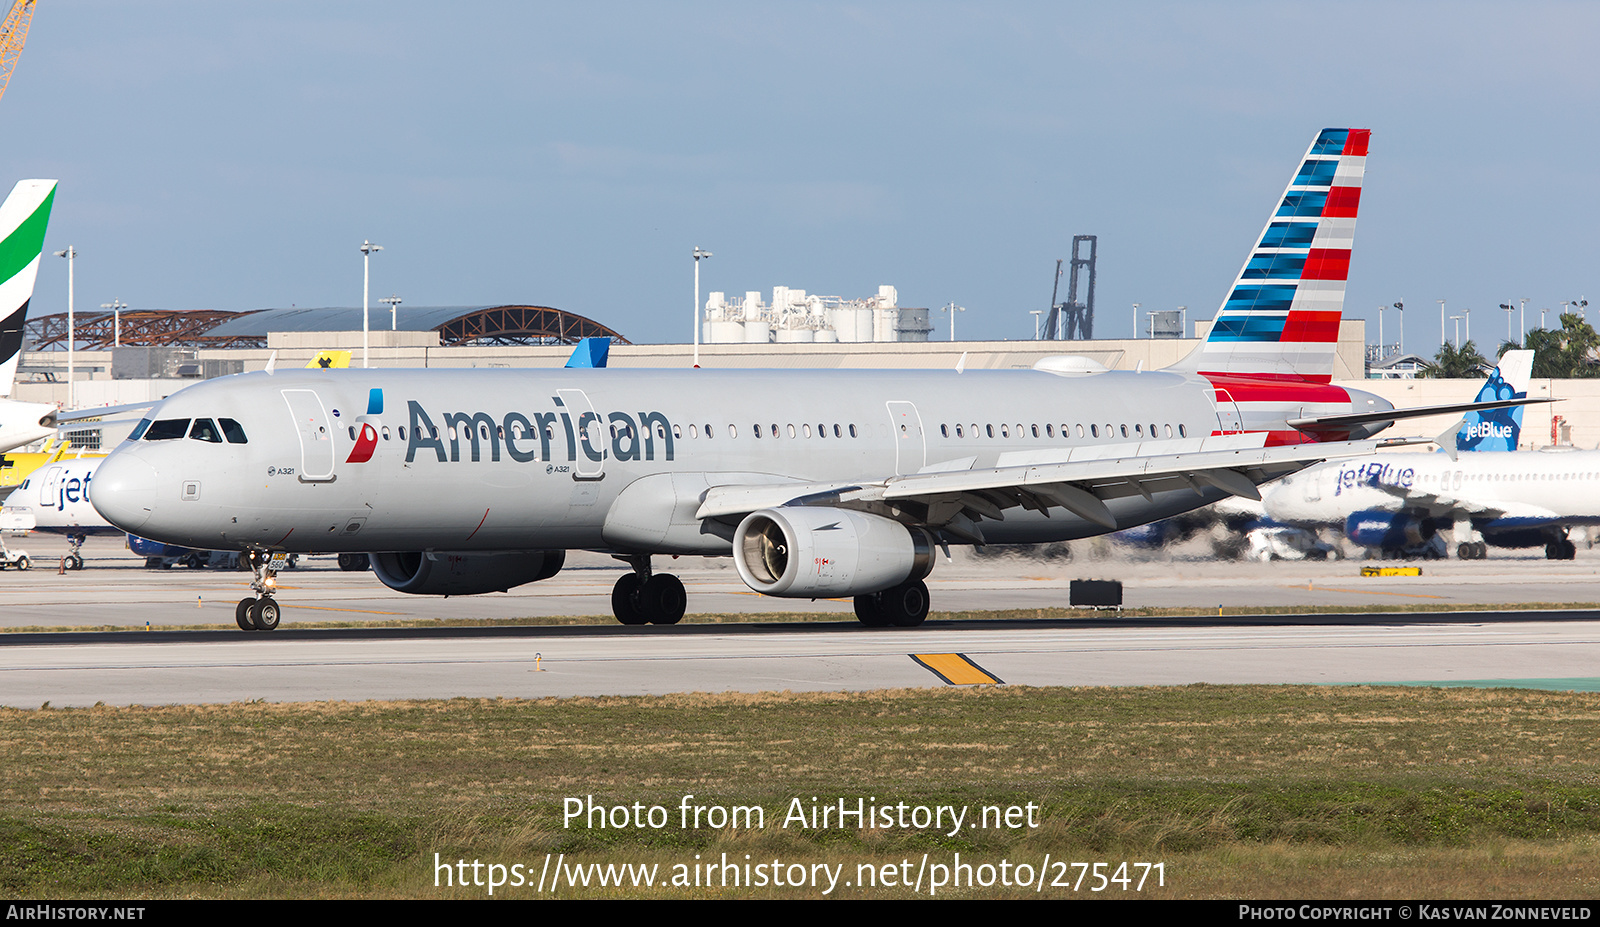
<point>366,443</point>
<point>367,436</point>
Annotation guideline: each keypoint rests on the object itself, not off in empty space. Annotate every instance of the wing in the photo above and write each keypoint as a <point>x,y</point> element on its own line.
<point>954,500</point>
<point>1441,504</point>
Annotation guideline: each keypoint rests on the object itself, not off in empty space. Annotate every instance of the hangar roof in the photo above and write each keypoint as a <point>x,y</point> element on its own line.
<point>456,325</point>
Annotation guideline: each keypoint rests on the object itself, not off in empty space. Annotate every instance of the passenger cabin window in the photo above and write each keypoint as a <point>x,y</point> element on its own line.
<point>167,429</point>
<point>205,430</point>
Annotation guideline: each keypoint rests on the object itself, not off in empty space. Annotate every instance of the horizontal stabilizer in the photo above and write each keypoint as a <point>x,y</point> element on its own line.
<point>1342,422</point>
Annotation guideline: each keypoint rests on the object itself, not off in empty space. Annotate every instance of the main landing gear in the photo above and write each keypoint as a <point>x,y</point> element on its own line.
<point>641,597</point>
<point>259,614</point>
<point>904,606</point>
<point>1560,549</point>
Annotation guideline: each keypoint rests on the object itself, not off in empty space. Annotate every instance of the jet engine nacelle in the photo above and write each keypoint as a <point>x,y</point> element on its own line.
<point>1389,529</point>
<point>815,552</point>
<point>445,573</point>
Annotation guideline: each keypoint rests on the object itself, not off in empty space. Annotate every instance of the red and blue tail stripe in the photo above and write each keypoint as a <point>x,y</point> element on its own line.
<point>1281,318</point>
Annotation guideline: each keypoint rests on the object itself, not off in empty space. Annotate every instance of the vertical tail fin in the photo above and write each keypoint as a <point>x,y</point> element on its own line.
<point>1498,429</point>
<point>590,352</point>
<point>1281,319</point>
<point>23,218</point>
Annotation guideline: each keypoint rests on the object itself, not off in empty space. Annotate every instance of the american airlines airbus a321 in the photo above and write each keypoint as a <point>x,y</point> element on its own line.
<point>818,483</point>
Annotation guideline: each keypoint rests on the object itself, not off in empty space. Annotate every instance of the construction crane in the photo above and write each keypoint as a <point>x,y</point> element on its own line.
<point>1073,320</point>
<point>13,35</point>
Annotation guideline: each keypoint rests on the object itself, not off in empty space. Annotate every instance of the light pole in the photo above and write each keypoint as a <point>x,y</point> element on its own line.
<point>952,308</point>
<point>116,306</point>
<point>367,248</point>
<point>1583,307</point>
<point>1401,305</point>
<point>698,254</point>
<point>1135,321</point>
<point>1382,353</point>
<point>71,255</point>
<point>1524,320</point>
<point>1508,308</point>
<point>1466,314</point>
<point>394,311</point>
<point>1457,319</point>
<point>1441,323</point>
<point>1035,313</point>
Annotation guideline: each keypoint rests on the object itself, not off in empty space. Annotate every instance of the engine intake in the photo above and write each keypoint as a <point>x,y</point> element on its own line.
<point>814,552</point>
<point>446,573</point>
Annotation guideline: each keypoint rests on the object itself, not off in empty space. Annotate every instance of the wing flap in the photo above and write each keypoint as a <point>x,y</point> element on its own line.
<point>1081,487</point>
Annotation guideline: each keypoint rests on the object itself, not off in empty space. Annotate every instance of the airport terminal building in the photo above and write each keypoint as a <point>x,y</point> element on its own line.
<point>149,354</point>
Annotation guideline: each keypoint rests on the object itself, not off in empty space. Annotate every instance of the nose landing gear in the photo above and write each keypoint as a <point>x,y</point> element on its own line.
<point>261,613</point>
<point>74,558</point>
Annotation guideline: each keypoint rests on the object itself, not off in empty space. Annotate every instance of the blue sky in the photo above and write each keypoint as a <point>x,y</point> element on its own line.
<point>219,155</point>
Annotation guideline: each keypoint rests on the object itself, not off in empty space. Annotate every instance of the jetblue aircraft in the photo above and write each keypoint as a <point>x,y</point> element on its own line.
<point>819,483</point>
<point>55,499</point>
<point>1488,493</point>
<point>23,218</point>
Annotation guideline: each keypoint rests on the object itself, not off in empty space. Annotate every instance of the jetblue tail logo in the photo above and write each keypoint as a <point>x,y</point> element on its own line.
<point>1498,429</point>
<point>1281,318</point>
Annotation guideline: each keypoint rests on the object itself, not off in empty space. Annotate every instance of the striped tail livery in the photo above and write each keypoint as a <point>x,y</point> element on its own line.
<point>1281,318</point>
<point>23,218</point>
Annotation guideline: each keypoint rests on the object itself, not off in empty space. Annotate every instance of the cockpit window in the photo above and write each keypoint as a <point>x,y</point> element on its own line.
<point>233,431</point>
<point>139,429</point>
<point>167,429</point>
<point>205,430</point>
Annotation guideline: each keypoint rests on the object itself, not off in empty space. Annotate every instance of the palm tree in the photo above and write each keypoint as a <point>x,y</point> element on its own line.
<point>1567,351</point>
<point>1456,363</point>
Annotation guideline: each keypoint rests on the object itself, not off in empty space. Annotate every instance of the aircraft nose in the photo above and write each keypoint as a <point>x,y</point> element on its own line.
<point>125,490</point>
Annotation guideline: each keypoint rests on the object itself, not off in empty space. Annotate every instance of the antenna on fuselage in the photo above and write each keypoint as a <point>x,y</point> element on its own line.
<point>272,362</point>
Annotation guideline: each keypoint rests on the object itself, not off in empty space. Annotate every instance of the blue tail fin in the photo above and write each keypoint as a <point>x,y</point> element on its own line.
<point>1499,429</point>
<point>590,352</point>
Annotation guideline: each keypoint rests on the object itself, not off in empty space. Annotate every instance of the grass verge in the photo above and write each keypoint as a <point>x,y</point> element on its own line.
<point>1236,791</point>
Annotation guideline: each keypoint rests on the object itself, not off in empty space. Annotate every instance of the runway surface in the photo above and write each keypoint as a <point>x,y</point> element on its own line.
<point>1558,651</point>
<point>624,662</point>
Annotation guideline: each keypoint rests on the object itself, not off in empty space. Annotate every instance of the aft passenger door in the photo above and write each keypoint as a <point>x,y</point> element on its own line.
<point>1229,420</point>
<point>910,444</point>
<point>316,435</point>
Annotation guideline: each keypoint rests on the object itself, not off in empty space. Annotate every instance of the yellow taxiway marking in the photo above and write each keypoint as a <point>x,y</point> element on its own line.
<point>957,669</point>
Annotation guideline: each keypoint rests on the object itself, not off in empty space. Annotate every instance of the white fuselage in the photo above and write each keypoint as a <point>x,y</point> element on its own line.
<point>20,423</point>
<point>57,497</point>
<point>396,460</point>
<point>1509,488</point>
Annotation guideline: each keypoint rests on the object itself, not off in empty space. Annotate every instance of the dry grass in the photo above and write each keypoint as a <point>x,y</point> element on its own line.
<point>1240,791</point>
